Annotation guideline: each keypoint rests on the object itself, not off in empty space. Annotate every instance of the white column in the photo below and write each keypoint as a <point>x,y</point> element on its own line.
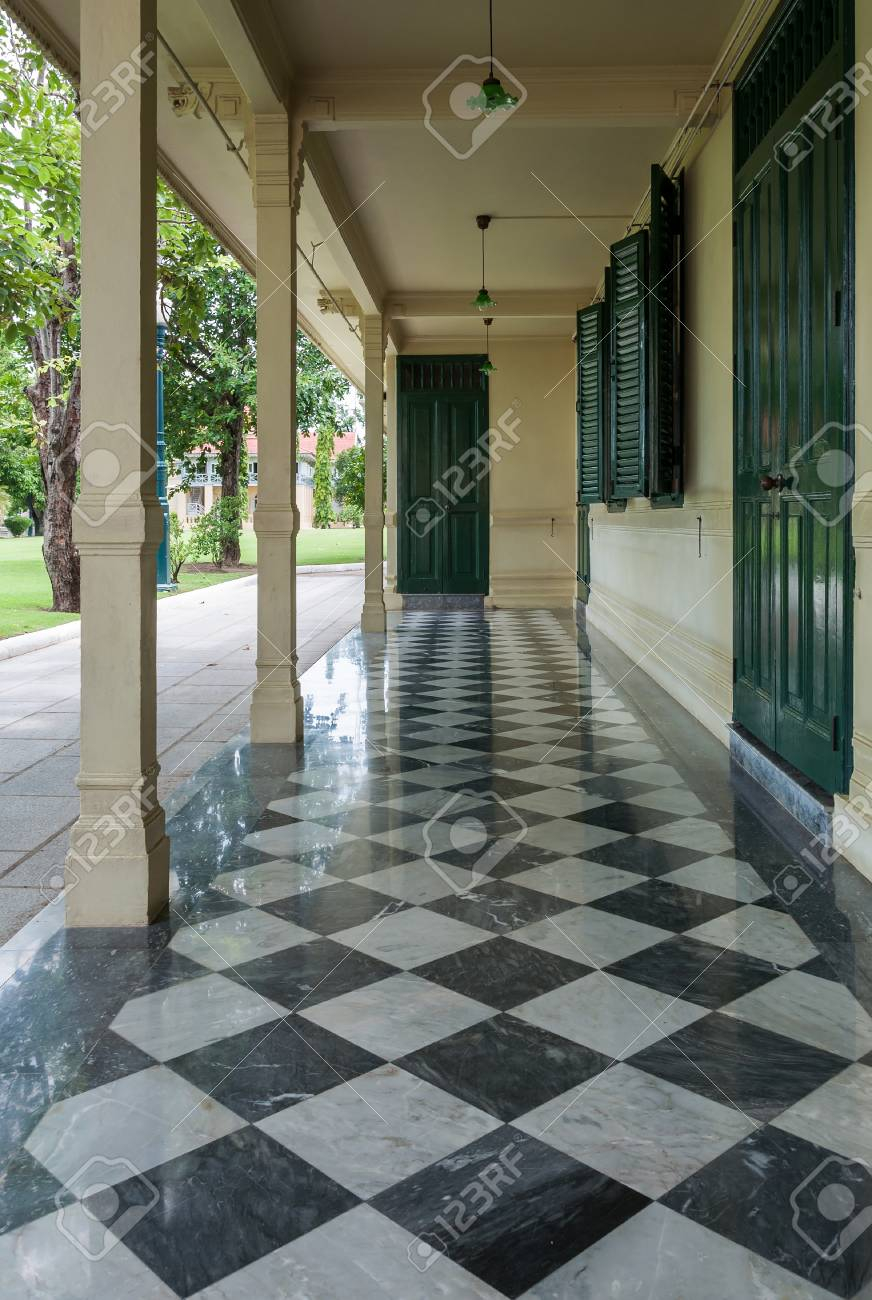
<point>117,870</point>
<point>392,599</point>
<point>276,706</point>
<point>373,616</point>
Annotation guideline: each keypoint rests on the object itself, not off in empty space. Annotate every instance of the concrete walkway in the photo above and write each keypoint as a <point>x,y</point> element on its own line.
<point>206,670</point>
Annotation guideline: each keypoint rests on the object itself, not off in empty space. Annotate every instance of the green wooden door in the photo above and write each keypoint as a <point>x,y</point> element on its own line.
<point>792,520</point>
<point>443,476</point>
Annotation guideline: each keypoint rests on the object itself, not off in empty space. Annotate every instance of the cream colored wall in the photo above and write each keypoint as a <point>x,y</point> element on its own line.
<point>853,828</point>
<point>662,596</point>
<point>532,487</point>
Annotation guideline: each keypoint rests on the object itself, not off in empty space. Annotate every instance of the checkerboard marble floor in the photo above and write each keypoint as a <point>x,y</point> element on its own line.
<point>475,994</point>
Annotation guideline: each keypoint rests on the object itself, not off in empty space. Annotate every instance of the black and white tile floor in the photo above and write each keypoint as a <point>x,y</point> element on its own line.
<point>475,998</point>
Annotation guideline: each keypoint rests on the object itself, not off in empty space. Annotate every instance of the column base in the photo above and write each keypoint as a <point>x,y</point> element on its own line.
<point>372,617</point>
<point>115,889</point>
<point>276,714</point>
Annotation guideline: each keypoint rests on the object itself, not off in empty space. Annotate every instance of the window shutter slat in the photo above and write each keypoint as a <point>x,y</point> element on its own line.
<point>629,367</point>
<point>591,404</point>
<point>667,452</point>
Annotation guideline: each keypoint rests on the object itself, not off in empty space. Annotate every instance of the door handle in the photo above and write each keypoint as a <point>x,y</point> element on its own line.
<point>779,482</point>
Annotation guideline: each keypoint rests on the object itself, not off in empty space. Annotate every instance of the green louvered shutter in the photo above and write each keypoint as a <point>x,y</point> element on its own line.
<point>592,374</point>
<point>665,431</point>
<point>629,367</point>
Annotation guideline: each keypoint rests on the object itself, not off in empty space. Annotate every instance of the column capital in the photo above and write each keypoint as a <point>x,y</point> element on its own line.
<point>277,160</point>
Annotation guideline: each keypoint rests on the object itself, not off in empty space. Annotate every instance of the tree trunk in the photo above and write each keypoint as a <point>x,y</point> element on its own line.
<point>56,402</point>
<point>231,461</point>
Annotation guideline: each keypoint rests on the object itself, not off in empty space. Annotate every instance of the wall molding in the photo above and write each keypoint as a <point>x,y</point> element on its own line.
<point>695,672</point>
<point>529,590</point>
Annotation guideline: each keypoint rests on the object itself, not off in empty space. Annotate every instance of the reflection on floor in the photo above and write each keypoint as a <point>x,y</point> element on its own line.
<point>486,991</point>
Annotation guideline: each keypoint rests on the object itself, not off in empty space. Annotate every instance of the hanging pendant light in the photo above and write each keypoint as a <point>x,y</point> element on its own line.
<point>493,96</point>
<point>482,299</point>
<point>487,368</point>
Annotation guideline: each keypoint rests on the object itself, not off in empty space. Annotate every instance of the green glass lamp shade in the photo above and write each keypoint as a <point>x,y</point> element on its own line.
<point>492,97</point>
<point>483,300</point>
<point>487,368</point>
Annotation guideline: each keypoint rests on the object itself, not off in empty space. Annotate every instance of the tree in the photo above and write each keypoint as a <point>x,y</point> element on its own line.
<point>20,472</point>
<point>322,496</point>
<point>350,479</point>
<point>39,283</point>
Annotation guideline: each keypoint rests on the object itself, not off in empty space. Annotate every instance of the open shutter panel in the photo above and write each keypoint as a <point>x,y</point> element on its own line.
<point>665,338</point>
<point>591,405</point>
<point>629,378</point>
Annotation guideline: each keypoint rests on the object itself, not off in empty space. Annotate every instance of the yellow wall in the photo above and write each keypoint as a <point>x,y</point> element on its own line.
<point>664,603</point>
<point>532,488</point>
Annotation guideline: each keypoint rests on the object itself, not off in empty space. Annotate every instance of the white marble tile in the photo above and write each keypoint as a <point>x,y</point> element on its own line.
<point>544,774</point>
<point>226,941</point>
<point>659,774</point>
<point>126,1127</point>
<point>588,935</point>
<point>610,1014</point>
<point>418,882</point>
<point>412,937</point>
<point>426,803</point>
<point>571,838</point>
<point>837,1116</point>
<point>73,1257</point>
<point>815,1011</point>
<point>398,1015</point>
<point>317,803</point>
<point>727,877</point>
<point>660,1255</point>
<point>437,835</point>
<point>191,1015</point>
<point>440,776</point>
<point>297,837</point>
<point>639,748</point>
<point>644,1131</point>
<point>557,802</point>
<point>576,879</point>
<point>360,1255</point>
<point>267,881</point>
<point>691,833</point>
<point>379,1128</point>
<point>443,753</point>
<point>759,932</point>
<point>683,803</point>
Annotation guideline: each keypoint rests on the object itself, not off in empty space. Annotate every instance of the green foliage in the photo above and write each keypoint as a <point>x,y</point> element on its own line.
<point>181,546</point>
<point>323,392</point>
<point>322,497</point>
<point>213,530</point>
<point>351,515</point>
<point>350,478</point>
<point>20,473</point>
<point>17,524</point>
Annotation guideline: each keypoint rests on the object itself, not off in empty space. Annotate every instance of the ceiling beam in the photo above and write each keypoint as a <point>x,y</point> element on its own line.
<point>254,48</point>
<point>348,99</point>
<point>519,303</point>
<point>326,201</point>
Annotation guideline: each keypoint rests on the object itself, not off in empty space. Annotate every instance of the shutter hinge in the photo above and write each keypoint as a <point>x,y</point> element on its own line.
<point>835,733</point>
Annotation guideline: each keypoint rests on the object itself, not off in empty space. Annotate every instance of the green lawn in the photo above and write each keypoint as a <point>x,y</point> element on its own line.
<point>25,591</point>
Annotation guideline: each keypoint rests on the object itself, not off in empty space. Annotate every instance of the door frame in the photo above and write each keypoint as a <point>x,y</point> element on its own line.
<point>482,395</point>
<point>764,148</point>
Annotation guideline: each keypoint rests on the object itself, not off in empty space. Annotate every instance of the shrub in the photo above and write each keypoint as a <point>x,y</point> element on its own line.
<point>17,524</point>
<point>181,546</point>
<point>216,528</point>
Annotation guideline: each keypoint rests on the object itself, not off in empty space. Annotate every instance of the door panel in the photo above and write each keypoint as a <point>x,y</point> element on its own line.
<point>791,401</point>
<point>443,476</point>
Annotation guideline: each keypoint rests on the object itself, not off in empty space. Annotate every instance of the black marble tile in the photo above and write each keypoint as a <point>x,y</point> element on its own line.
<point>112,1057</point>
<point>273,1066</point>
<point>335,907</point>
<point>170,968</point>
<point>500,906</point>
<point>309,973</point>
<point>799,1205</point>
<point>195,903</point>
<point>740,1064</point>
<point>549,1209</point>
<point>615,788</point>
<point>646,857</point>
<point>505,1066</point>
<point>626,817</point>
<point>221,1207</point>
<point>498,974</point>
<point>359,858</point>
<point>665,904</point>
<point>695,971</point>
<point>519,856</point>
<point>27,1191</point>
<point>370,821</point>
